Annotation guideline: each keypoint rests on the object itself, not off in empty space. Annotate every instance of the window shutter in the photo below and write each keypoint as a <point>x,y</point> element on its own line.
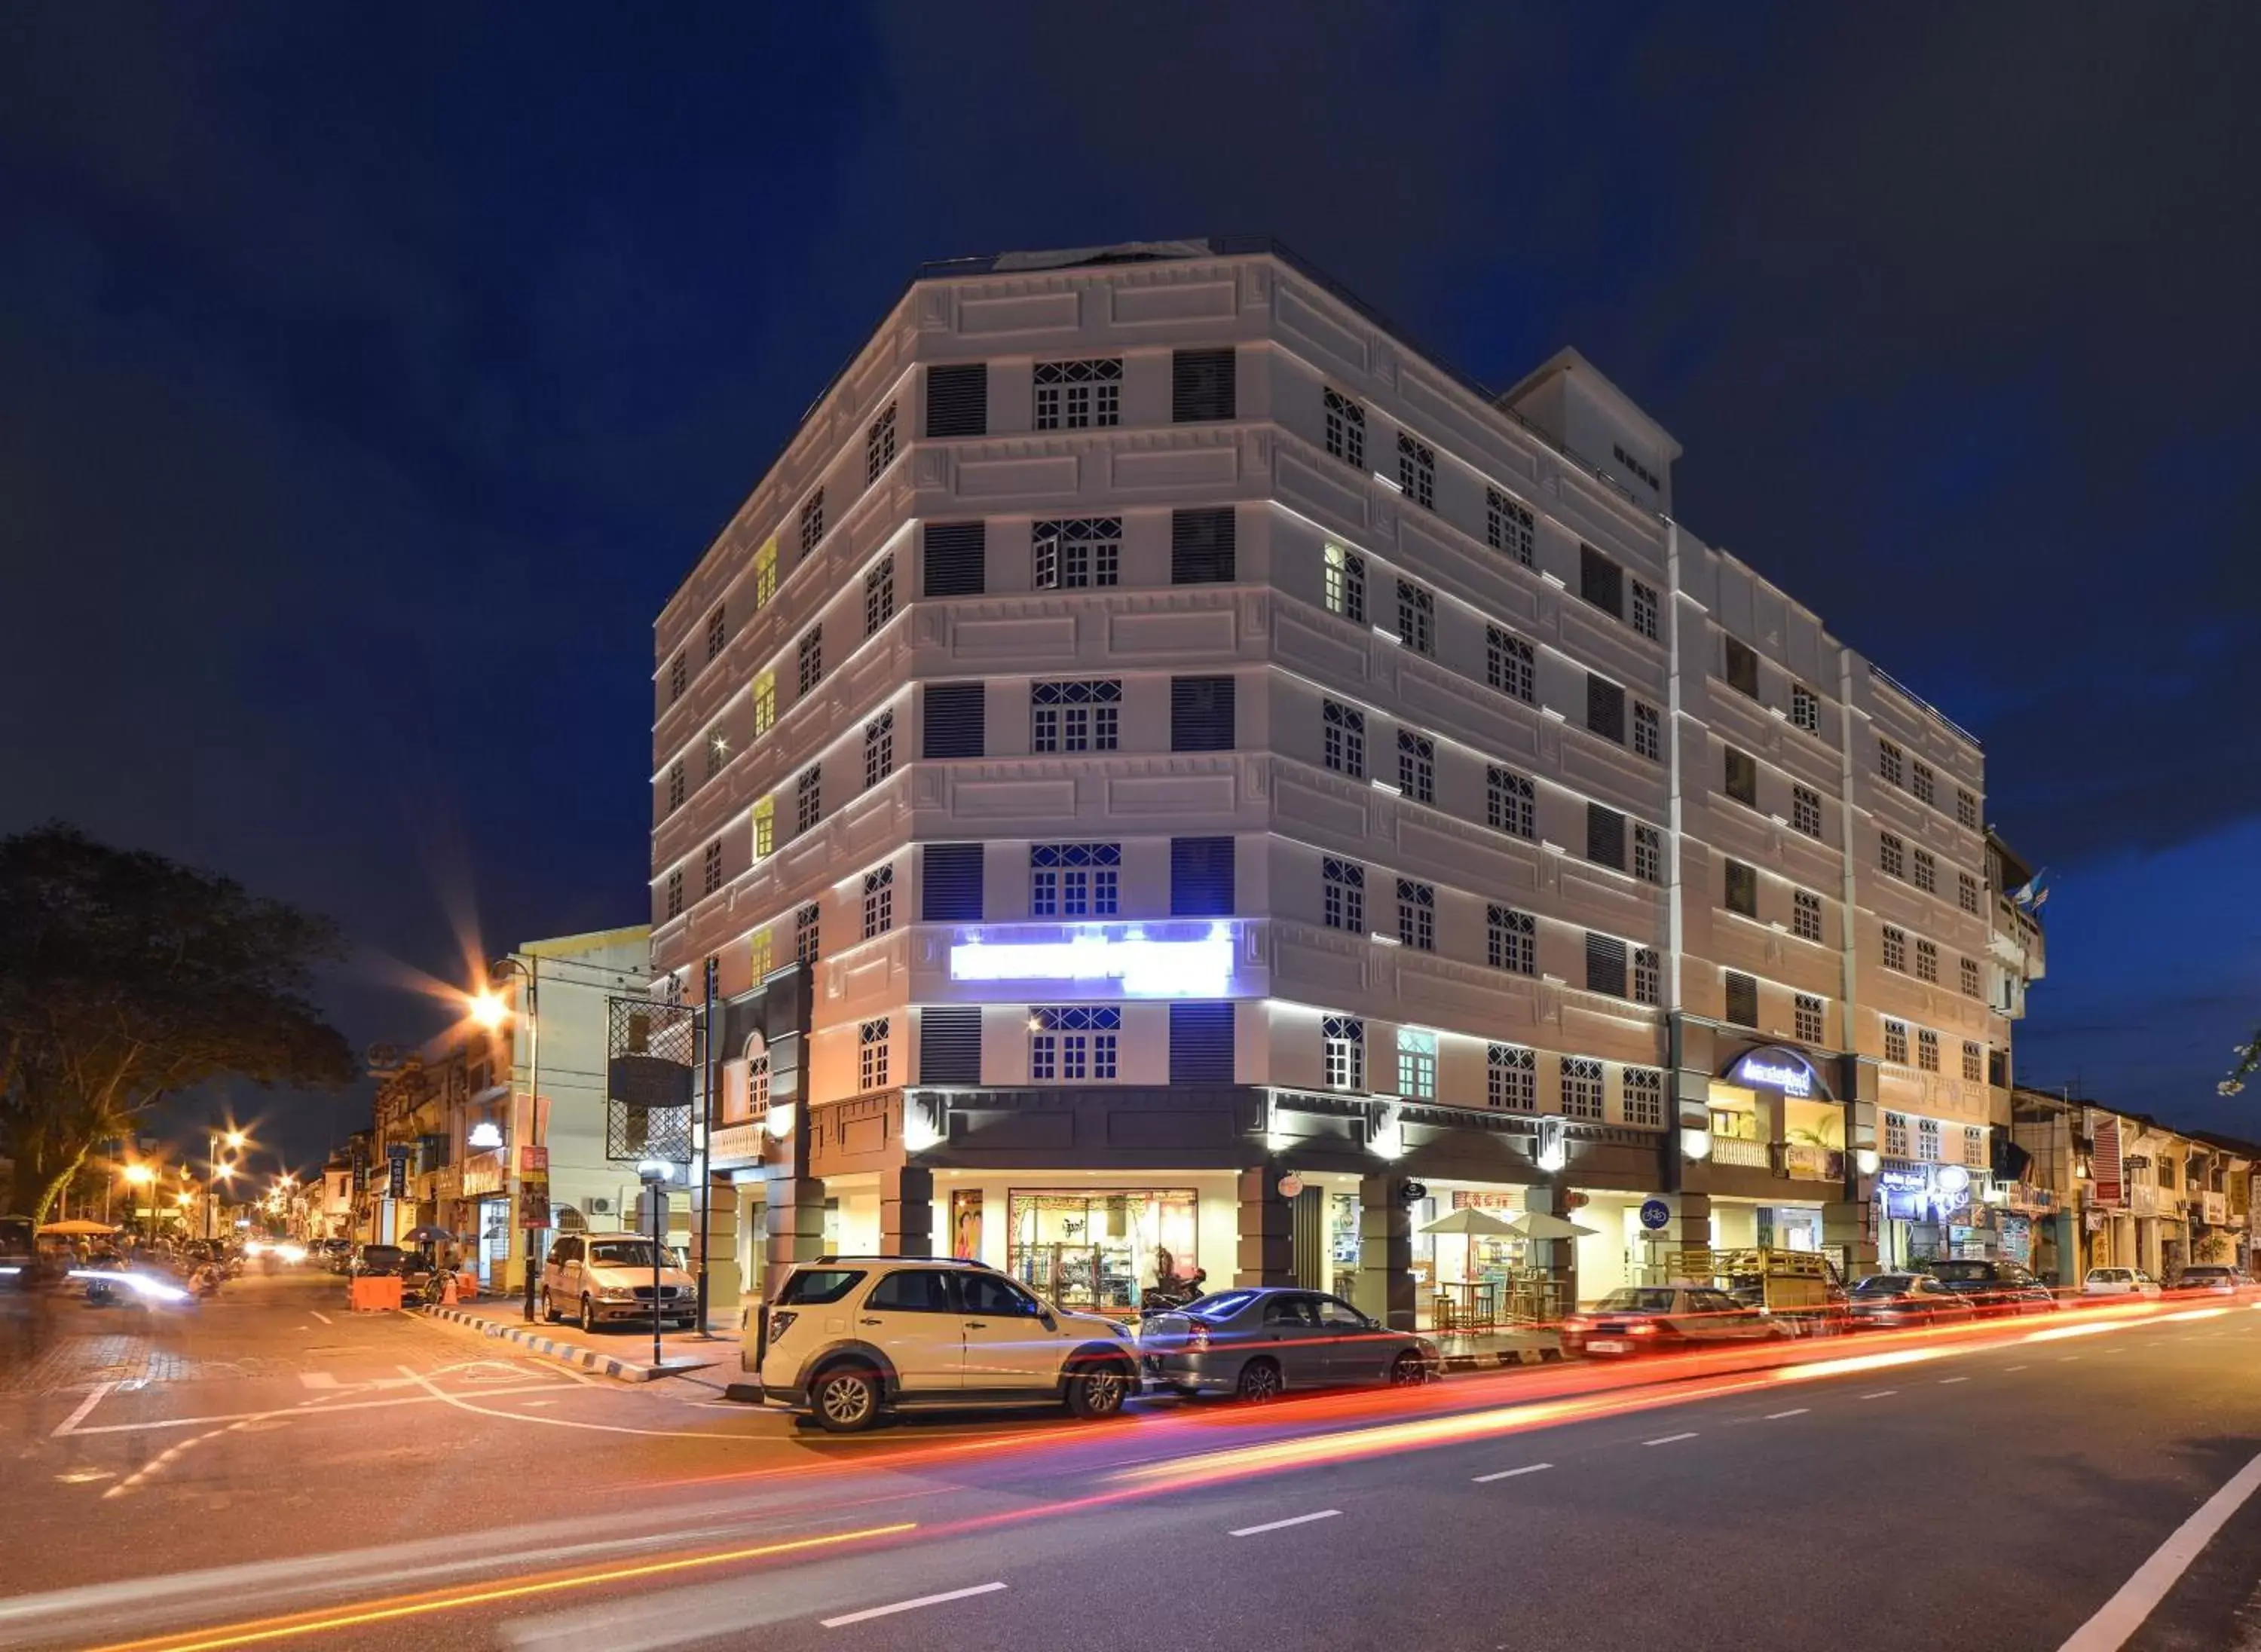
<point>1605,835</point>
<point>949,1042</point>
<point>1201,878</point>
<point>1605,703</point>
<point>956,553</point>
<point>1605,965</point>
<point>1202,547</point>
<point>1200,385</point>
<point>1742,888</point>
<point>954,717</point>
<point>1742,1000</point>
<point>1742,667</point>
<point>1742,777</point>
<point>950,883</point>
<point>1200,713</point>
<point>958,400</point>
<point>1601,581</point>
<point>1200,1044</point>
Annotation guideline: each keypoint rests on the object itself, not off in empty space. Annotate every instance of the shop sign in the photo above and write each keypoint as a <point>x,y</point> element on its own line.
<point>2216,1206</point>
<point>1471,1199</point>
<point>1147,965</point>
<point>1290,1185</point>
<point>533,1162</point>
<point>481,1174</point>
<point>484,1136</point>
<point>1775,1067</point>
<point>396,1168</point>
<point>533,1202</point>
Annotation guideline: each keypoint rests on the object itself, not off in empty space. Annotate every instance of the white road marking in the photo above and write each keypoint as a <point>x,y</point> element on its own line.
<point>2120,1617</point>
<point>323,1317</point>
<point>2008,1369</point>
<point>1776,1417</point>
<point>1944,1381</point>
<point>908,1605</point>
<point>317,1379</point>
<point>1510,1473</point>
<point>462,1404</point>
<point>1667,1440</point>
<point>2066,1359</point>
<point>245,1417</point>
<point>1882,1393</point>
<point>70,1425</point>
<point>1276,1525</point>
<point>542,1402</point>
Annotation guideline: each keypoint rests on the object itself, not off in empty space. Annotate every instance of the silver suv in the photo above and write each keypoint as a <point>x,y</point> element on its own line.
<point>848,1337</point>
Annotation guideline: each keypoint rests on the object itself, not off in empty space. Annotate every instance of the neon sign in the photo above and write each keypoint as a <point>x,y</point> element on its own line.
<point>1201,966</point>
<point>1776,1068</point>
<point>484,1136</point>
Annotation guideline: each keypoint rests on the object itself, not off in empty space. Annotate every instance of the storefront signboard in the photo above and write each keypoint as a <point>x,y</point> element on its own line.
<point>533,1202</point>
<point>396,1183</point>
<point>484,1136</point>
<point>1775,1067</point>
<point>533,1162</point>
<point>1147,964</point>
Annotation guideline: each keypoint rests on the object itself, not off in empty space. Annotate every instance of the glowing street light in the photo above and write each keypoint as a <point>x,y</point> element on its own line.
<point>489,1008</point>
<point>139,1176</point>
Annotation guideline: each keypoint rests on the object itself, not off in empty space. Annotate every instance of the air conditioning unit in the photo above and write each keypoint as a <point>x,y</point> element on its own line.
<point>600,1207</point>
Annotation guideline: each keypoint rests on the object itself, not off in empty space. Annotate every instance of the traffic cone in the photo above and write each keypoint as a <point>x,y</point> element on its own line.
<point>447,1290</point>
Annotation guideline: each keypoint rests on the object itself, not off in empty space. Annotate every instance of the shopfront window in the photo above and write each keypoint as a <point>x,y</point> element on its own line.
<point>1097,1247</point>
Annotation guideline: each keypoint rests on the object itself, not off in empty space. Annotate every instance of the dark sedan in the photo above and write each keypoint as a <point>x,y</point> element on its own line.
<point>1255,1344</point>
<point>1894,1302</point>
<point>1994,1287</point>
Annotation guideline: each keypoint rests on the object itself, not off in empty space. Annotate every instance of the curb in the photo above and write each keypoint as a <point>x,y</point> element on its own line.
<point>1502,1358</point>
<point>572,1353</point>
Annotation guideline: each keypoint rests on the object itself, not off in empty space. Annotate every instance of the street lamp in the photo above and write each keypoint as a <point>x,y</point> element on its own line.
<point>234,1139</point>
<point>489,1009</point>
<point>655,1174</point>
<point>137,1175</point>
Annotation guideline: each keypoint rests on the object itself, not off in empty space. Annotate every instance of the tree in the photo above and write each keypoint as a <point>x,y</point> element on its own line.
<point>125,978</point>
<point>2249,1062</point>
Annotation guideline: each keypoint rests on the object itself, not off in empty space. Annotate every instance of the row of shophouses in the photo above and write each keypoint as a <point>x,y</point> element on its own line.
<point>1161,771</point>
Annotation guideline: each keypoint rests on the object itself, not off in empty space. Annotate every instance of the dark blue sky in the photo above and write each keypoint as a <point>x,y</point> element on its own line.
<point>369,376</point>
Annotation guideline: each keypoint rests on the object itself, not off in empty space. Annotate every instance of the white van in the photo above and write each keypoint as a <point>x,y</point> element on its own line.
<point>596,1278</point>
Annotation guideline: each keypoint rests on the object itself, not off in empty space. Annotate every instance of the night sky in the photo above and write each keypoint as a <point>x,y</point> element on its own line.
<point>370,375</point>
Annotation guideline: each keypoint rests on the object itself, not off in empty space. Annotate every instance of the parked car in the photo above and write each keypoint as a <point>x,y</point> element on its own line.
<point>1256,1343</point>
<point>849,1339</point>
<point>1994,1287</point>
<point>1893,1302</point>
<point>596,1277</point>
<point>2213,1278</point>
<point>1663,1319</point>
<point>380,1260</point>
<point>2120,1281</point>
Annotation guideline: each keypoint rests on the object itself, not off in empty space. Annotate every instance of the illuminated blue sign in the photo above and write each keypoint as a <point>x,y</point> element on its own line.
<point>1775,1067</point>
<point>1198,965</point>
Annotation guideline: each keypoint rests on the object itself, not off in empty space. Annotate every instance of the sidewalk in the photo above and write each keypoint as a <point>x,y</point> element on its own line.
<point>1482,1350</point>
<point>624,1354</point>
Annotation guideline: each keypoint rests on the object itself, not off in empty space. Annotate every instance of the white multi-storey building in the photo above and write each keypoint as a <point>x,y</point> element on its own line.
<point>1162,764</point>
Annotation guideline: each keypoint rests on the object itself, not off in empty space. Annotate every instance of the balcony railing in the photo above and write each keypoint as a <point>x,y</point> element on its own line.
<point>1733,1150</point>
<point>1803,1161</point>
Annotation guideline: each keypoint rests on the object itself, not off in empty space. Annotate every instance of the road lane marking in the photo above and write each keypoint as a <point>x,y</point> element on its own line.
<point>317,1379</point>
<point>1510,1473</point>
<point>1776,1417</point>
<point>2066,1359</point>
<point>869,1612</point>
<point>1882,1393</point>
<point>1277,1525</point>
<point>2008,1369</point>
<point>70,1425</point>
<point>1944,1381</point>
<point>319,1315</point>
<point>2119,1617</point>
<point>462,1405</point>
<point>245,1417</point>
<point>1667,1440</point>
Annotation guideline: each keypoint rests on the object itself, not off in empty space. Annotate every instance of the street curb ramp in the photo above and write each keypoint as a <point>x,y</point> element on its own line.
<point>587,1359</point>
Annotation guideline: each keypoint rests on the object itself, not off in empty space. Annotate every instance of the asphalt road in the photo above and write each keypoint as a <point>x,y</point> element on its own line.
<point>271,1471</point>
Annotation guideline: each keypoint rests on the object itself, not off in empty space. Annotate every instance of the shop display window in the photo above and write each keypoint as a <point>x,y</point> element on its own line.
<point>1098,1248</point>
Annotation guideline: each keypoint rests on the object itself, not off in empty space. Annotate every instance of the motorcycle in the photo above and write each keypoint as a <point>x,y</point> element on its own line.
<point>205,1281</point>
<point>1171,1294</point>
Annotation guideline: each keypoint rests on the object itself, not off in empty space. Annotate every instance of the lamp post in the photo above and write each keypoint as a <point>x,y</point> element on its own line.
<point>212,1139</point>
<point>137,1175</point>
<point>656,1174</point>
<point>490,1010</point>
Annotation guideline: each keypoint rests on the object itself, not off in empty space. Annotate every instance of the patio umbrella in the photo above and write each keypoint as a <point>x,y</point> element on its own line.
<point>429,1235</point>
<point>1468,1222</point>
<point>79,1228</point>
<point>1538,1225</point>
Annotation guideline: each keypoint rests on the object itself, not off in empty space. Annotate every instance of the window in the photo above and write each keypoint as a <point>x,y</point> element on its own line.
<point>812,658</point>
<point>1078,395</point>
<point>1416,472</point>
<point>1417,766</point>
<point>1804,708</point>
<point>1073,1044</point>
<point>1605,704</point>
<point>1895,949</point>
<point>1416,1065</point>
<point>765,573</point>
<point>1896,1042</point>
<point>1742,666</point>
<point>674,893</point>
<point>1342,730</point>
<point>805,935</point>
<point>718,632</point>
<point>1343,1045</point>
<point>712,878</point>
<point>879,445</point>
<point>956,714</point>
<point>676,786</point>
<point>950,1044</point>
<point>1966,809</point>
<point>1347,584</point>
<point>1605,965</point>
<point>764,827</point>
<point>1970,984</point>
<point>1927,961</point>
<point>1200,1044</point>
<point>1647,977</point>
<point>1891,763</point>
<point>1644,610</point>
<point>1511,940</point>
<point>1417,617</point>
<point>1806,915</point>
<point>764,703</point>
<point>1647,731</point>
<point>878,902</point>
<point>914,1290</point>
<point>1926,872</point>
<point>808,798</point>
<point>879,597</point>
<point>1510,802</point>
<point>1891,855</point>
<point>1200,877</point>
<point>1806,1014</point>
<point>1511,1078</point>
<point>1974,1145</point>
<point>1200,385</point>
<point>1966,892</point>
<point>950,882</point>
<point>1926,1049</point>
<point>1601,581</point>
<point>1074,880</point>
<point>958,400</point>
<point>1076,553</point>
<point>1202,547</point>
<point>1582,1088</point>
<point>1973,1065</point>
<point>1605,835</point>
<point>1343,894</point>
<point>956,559</point>
<point>872,1054</point>
<point>1742,888</point>
<point>1074,715</point>
<point>1200,713</point>
<point>678,677</point>
<point>1345,430</point>
<point>1509,666</point>
<point>1648,853</point>
<point>879,748</point>
<point>1644,1098</point>
<point>1507,525</point>
<point>1416,914</point>
<point>717,749</point>
<point>1805,810</point>
<point>1922,781</point>
<point>1895,1135</point>
<point>1742,999</point>
<point>1742,780</point>
<point>812,522</point>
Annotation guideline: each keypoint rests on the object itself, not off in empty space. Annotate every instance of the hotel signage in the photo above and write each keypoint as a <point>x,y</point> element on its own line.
<point>1775,1067</point>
